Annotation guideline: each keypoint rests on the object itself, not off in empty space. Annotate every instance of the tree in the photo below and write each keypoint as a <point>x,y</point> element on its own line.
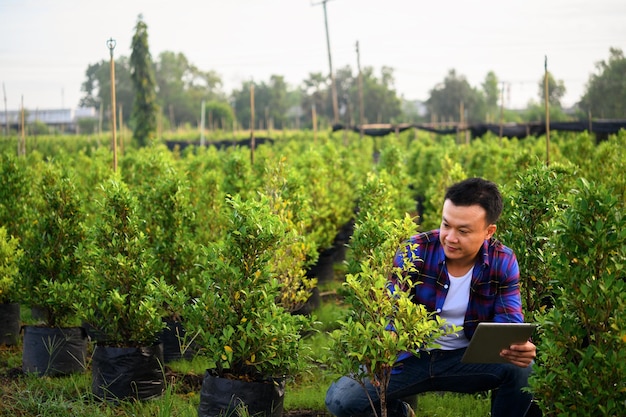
<point>97,87</point>
<point>446,98</point>
<point>316,93</point>
<point>491,90</point>
<point>605,94</point>
<point>145,109</point>
<point>556,91</point>
<point>182,87</point>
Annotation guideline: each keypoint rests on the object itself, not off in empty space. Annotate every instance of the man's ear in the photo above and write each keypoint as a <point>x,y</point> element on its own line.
<point>491,229</point>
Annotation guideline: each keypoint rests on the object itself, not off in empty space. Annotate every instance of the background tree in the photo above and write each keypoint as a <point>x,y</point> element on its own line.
<point>491,89</point>
<point>556,91</point>
<point>182,87</point>
<point>97,87</point>
<point>316,93</point>
<point>381,103</point>
<point>445,99</point>
<point>145,109</point>
<point>605,94</point>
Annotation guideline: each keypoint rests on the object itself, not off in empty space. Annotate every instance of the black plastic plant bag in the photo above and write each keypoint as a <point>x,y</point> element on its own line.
<point>54,351</point>
<point>175,342</point>
<point>222,397</point>
<point>120,373</point>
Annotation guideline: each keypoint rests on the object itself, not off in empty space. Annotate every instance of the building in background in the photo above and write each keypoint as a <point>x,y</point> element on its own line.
<point>61,120</point>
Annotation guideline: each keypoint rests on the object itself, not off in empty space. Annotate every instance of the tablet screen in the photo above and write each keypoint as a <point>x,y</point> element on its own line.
<point>490,338</point>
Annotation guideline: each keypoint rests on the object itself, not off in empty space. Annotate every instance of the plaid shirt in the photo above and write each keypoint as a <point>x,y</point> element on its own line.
<point>494,292</point>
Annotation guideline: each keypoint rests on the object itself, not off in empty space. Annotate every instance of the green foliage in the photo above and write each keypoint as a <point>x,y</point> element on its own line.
<point>257,338</point>
<point>330,191</point>
<point>50,269</point>
<point>530,209</point>
<point>450,173</point>
<point>582,354</point>
<point>10,255</point>
<point>365,346</point>
<point>446,98</point>
<point>285,189</point>
<point>14,193</point>
<point>123,299</point>
<point>605,95</point>
<point>169,226</point>
<point>145,108</point>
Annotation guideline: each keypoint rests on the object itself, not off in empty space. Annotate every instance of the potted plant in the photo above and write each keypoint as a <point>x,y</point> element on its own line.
<point>250,340</point>
<point>10,320</point>
<point>291,258</point>
<point>382,321</point>
<point>170,229</point>
<point>49,280</point>
<point>123,300</point>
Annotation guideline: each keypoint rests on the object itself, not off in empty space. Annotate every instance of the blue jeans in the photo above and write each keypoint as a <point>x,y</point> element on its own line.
<point>437,370</point>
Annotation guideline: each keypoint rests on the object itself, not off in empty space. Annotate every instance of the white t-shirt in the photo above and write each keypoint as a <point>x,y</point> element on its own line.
<point>454,308</point>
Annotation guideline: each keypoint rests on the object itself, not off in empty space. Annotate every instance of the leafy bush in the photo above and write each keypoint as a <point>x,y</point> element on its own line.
<point>123,299</point>
<point>364,346</point>
<point>582,350</point>
<point>531,207</point>
<point>238,324</point>
<point>10,254</point>
<point>50,271</point>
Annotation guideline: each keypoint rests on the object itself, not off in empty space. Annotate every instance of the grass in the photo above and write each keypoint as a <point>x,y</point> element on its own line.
<point>70,396</point>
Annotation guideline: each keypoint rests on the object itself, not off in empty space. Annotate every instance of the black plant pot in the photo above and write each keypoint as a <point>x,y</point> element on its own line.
<point>175,342</point>
<point>223,396</point>
<point>54,351</point>
<point>120,373</point>
<point>10,323</point>
<point>323,269</point>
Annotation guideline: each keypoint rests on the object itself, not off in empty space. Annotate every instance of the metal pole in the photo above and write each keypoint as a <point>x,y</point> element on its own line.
<point>111,44</point>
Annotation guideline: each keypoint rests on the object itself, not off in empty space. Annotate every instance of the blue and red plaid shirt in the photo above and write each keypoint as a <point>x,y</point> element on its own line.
<point>494,292</point>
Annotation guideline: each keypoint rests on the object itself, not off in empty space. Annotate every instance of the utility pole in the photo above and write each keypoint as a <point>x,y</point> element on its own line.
<point>333,84</point>
<point>111,44</point>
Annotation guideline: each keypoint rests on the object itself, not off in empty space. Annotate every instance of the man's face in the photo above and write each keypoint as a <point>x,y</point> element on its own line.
<point>463,231</point>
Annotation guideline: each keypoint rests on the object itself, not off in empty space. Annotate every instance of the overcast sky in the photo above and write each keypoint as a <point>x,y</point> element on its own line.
<point>47,45</point>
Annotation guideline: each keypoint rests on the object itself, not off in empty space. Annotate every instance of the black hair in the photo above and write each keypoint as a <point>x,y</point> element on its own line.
<point>479,191</point>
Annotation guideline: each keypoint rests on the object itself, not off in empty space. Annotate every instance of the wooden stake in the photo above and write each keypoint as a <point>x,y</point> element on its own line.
<point>111,45</point>
<point>547,102</point>
<point>252,140</point>
<point>314,118</point>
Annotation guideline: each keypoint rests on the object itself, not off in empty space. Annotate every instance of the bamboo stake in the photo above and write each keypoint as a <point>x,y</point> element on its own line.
<point>202,111</point>
<point>314,119</point>
<point>252,140</point>
<point>21,146</point>
<point>111,45</point>
<point>547,102</point>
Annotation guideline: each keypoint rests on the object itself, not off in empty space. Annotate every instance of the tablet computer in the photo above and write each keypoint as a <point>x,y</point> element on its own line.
<point>490,338</point>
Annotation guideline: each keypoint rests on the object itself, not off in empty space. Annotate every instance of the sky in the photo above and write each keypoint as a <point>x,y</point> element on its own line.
<point>47,45</point>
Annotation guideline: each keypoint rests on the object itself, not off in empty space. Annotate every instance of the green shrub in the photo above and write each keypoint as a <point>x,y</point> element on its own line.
<point>582,350</point>
<point>50,271</point>
<point>123,299</point>
<point>10,254</point>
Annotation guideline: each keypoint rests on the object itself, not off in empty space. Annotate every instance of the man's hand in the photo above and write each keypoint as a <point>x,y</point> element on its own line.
<point>521,355</point>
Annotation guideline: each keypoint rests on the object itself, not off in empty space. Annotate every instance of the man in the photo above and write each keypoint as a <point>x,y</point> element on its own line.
<point>466,276</point>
